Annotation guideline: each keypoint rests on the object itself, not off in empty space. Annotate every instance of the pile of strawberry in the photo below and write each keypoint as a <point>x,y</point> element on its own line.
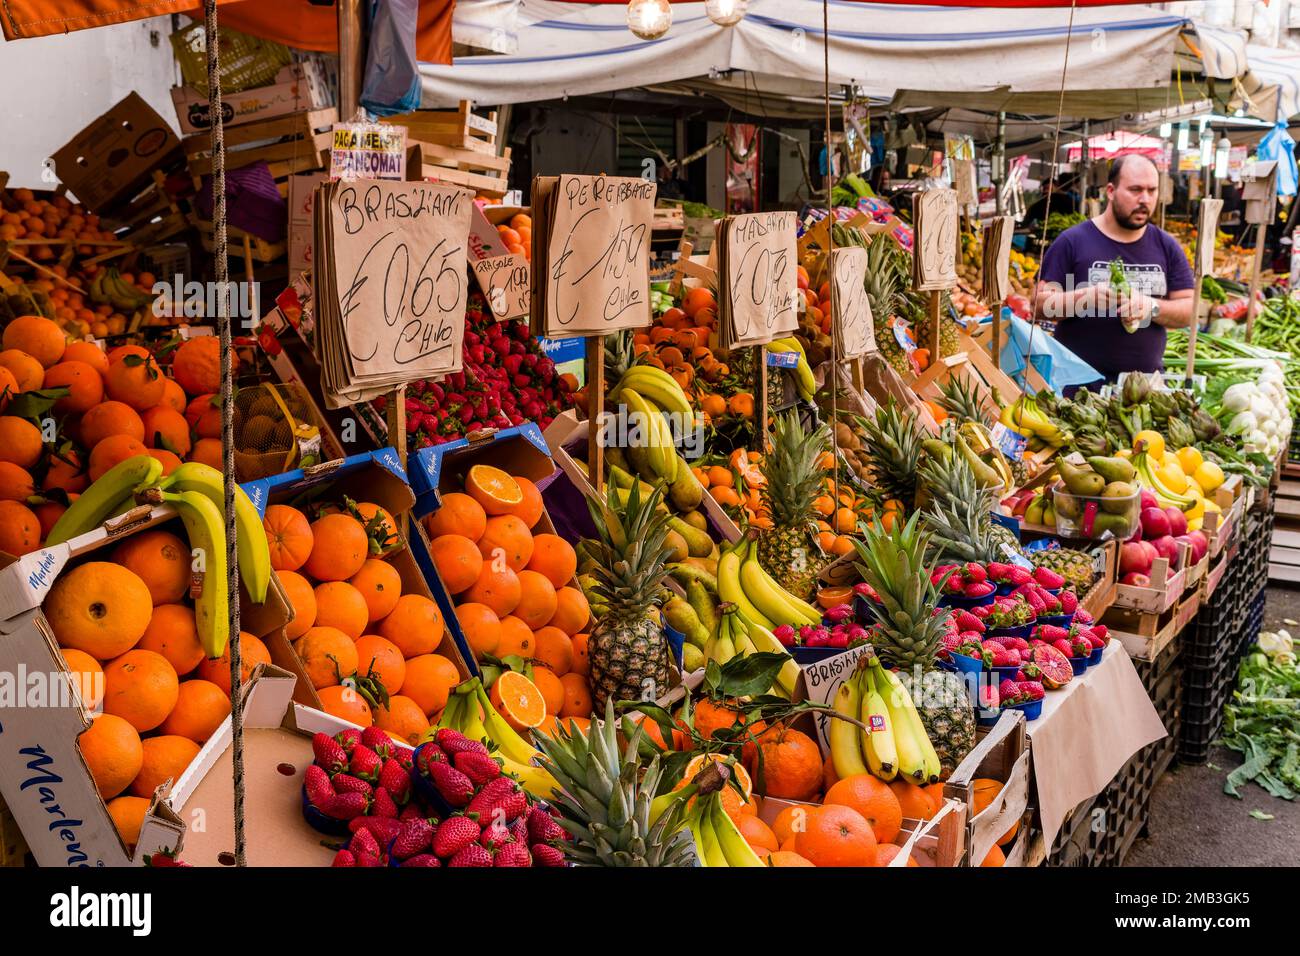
<point>970,580</point>
<point>1020,692</point>
<point>1079,640</point>
<point>358,773</point>
<point>839,629</point>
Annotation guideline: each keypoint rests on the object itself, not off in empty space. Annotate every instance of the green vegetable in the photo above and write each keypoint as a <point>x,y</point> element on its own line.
<point>1262,723</point>
<point>1118,280</point>
<point>1058,222</point>
<point>1212,292</point>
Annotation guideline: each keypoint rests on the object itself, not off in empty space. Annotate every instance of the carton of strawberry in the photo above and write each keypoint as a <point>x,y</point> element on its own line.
<point>1007,576</point>
<point>1012,615</point>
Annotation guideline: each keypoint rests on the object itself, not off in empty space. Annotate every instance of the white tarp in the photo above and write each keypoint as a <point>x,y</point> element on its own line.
<point>1273,83</point>
<point>567,49</point>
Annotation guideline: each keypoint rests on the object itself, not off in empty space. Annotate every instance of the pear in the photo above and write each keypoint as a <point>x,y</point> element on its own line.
<point>1116,524</point>
<point>1066,505</point>
<point>1113,469</point>
<point>698,543</point>
<point>1080,481</point>
<point>1118,497</point>
<point>679,549</point>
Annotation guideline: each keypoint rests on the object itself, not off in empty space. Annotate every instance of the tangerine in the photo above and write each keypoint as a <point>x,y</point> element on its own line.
<point>508,538</point>
<point>339,548</point>
<point>289,536</point>
<point>345,704</point>
<point>380,585</point>
<point>459,514</point>
<point>113,754</point>
<point>340,605</point>
<point>99,608</point>
<point>498,589</point>
<point>112,451</point>
<point>217,669</point>
<point>873,800</point>
<point>136,381</point>
<point>327,654</point>
<point>553,557</point>
<point>161,560</point>
<point>208,451</point>
<point>380,527</point>
<point>403,719</point>
<point>537,601</point>
<point>577,696</point>
<point>836,835</point>
<point>20,529</point>
<point>379,656</point>
<point>302,601</point>
<point>457,561</point>
<point>481,627</point>
<point>572,611</point>
<point>757,834</point>
<point>27,372</point>
<point>127,814</point>
<point>48,513</point>
<point>530,509</point>
<point>517,639</point>
<point>165,758</point>
<point>415,625</point>
<point>66,472</point>
<point>788,763</point>
<point>553,648</point>
<point>200,708</point>
<point>429,681</point>
<point>86,676</point>
<point>174,634</point>
<point>15,483</point>
<point>84,384</point>
<point>581,660</point>
<point>39,337</point>
<point>197,364</point>
<point>174,396</point>
<point>110,418</point>
<point>551,688</point>
<point>20,441</point>
<point>914,802</point>
<point>167,428</point>
<point>141,688</point>
<point>170,462</point>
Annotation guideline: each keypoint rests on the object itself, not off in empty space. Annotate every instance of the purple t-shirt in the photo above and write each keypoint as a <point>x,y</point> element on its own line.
<point>1155,264</point>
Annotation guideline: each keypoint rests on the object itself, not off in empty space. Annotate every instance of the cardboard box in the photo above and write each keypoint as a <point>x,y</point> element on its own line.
<point>114,157</point>
<point>377,477</point>
<point>939,841</point>
<point>43,778</point>
<point>298,86</point>
<point>1001,755</point>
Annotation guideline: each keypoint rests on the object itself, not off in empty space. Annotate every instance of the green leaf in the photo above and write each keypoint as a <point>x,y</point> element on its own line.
<point>713,678</point>
<point>34,405</point>
<point>749,676</point>
<point>1261,815</point>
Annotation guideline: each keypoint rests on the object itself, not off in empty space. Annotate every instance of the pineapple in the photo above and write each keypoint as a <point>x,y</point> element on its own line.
<point>1075,566</point>
<point>949,341</point>
<point>959,511</point>
<point>909,635</point>
<point>892,443</point>
<point>793,482</point>
<point>961,400</point>
<point>606,796</point>
<point>627,648</point>
<point>882,283</point>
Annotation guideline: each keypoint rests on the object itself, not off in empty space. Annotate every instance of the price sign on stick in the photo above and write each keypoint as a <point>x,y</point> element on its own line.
<point>505,285</point>
<point>855,328</point>
<point>758,271</point>
<point>997,259</point>
<point>934,261</point>
<point>1207,227</point>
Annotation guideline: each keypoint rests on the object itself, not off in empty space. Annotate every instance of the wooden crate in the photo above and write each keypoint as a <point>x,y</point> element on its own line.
<point>1214,576</point>
<point>460,128</point>
<point>484,173</point>
<point>294,143</point>
<point>1220,527</point>
<point>1099,598</point>
<point>152,217</point>
<point>1144,634</point>
<point>1002,754</point>
<point>1165,589</point>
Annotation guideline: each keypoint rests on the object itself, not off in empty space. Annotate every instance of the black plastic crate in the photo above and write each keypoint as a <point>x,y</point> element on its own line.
<point>1083,839</point>
<point>1150,672</point>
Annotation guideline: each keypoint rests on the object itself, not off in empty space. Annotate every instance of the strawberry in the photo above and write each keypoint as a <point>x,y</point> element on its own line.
<point>365,763</point>
<point>363,843</point>
<point>344,858</point>
<point>547,855</point>
<point>422,859</point>
<point>518,828</point>
<point>1064,647</point>
<point>1031,670</point>
<point>1051,633</point>
<point>1081,645</point>
<point>1018,644</point>
<point>329,753</point>
<point>348,739</point>
<point>969,637</point>
<point>1101,630</point>
<point>513,854</point>
<point>1036,602</point>
<point>978,589</point>
<point>1069,602</point>
<point>953,585</point>
<point>454,834</point>
<point>369,861</point>
<point>981,612</point>
<point>975,572</point>
<point>542,826</point>
<point>1094,640</point>
<point>1005,657</point>
<point>456,788</point>
<point>1048,578</point>
<point>384,805</point>
<point>480,768</point>
<point>404,757</point>
<point>1031,689</point>
<point>502,796</point>
<point>495,835</point>
<point>998,571</point>
<point>951,641</point>
<point>429,753</point>
<point>415,837</point>
<point>395,780</point>
<point>1019,576</point>
<point>346,783</point>
<point>453,742</point>
<point>317,784</point>
<point>1007,691</point>
<point>382,828</point>
<point>409,812</point>
<point>378,741</point>
<point>1082,616</point>
<point>966,621</point>
<point>472,855</point>
<point>345,806</point>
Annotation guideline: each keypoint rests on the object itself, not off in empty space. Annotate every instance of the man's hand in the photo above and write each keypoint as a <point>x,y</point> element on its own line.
<point>1135,310</point>
<point>1092,301</point>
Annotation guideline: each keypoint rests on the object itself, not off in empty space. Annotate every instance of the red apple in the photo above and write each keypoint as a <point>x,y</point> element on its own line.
<point>1148,499</point>
<point>1166,547</point>
<point>1177,521</point>
<point>1136,580</point>
<point>1136,557</point>
<point>1155,523</point>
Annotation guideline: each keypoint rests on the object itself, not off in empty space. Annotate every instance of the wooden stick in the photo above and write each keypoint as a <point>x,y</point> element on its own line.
<point>1254,280</point>
<point>48,271</point>
<point>936,301</point>
<point>395,417</point>
<point>595,411</point>
<point>1196,320</point>
<point>760,399</point>
<point>684,250</point>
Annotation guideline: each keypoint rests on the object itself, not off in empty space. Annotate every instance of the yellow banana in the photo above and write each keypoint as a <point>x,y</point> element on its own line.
<point>250,536</point>
<point>103,497</point>
<point>877,743</point>
<point>207,534</point>
<point>536,780</point>
<point>844,737</point>
<point>734,847</point>
<point>766,641</point>
<point>911,753</point>
<point>707,838</point>
<point>659,387</point>
<point>662,460</point>
<point>1149,476</point>
<point>768,596</point>
<point>730,589</point>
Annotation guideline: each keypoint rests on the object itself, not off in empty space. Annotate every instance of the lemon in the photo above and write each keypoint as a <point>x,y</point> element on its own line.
<point>1196,512</point>
<point>1194,524</point>
<point>1190,459</point>
<point>1153,441</point>
<point>1173,476</point>
<point>1193,488</point>
<point>1211,506</point>
<point>1208,475</point>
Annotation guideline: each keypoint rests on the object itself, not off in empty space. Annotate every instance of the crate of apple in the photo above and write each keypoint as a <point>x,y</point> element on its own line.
<point>1160,533</point>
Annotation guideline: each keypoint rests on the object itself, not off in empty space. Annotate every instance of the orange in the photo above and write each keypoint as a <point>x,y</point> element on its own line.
<point>208,451</point>
<point>141,688</point>
<point>481,627</point>
<point>457,561</point>
<point>537,600</point>
<point>112,451</point>
<point>112,751</point>
<point>27,372</point>
<point>8,388</point>
<point>127,814</point>
<point>85,675</point>
<point>553,648</point>
<point>380,585</point>
<point>789,822</point>
<point>15,483</point>
<point>339,548</point>
<point>914,802</point>
<point>380,527</point>
<point>340,605</point>
<point>99,608</point>
<point>170,462</point>
<point>302,599</point>
<point>495,490</point>
<point>217,669</point>
<point>119,352</point>
<point>459,514</point>
<point>530,509</point>
<point>995,857</point>
<point>697,299</point>
<point>87,352</point>
<point>551,689</point>
<point>415,625</point>
<point>197,364</point>
<point>581,662</point>
<point>516,639</point>
<point>787,763</point>
<point>49,512</point>
<point>553,723</point>
<point>164,758</point>
<point>166,428</point>
<point>873,799</point>
<point>379,657</point>
<point>136,381</point>
<point>345,704</point>
<point>711,715</point>
<point>200,708</point>
<point>986,790</point>
<point>498,589</point>
<point>402,719</point>
<point>174,396</point>
<point>553,557</point>
<point>85,387</point>
<point>20,529</point>
<point>110,418</point>
<point>39,337</point>
<point>20,441</point>
<point>173,633</point>
<point>289,536</point>
<point>327,654</point>
<point>161,560</point>
<point>572,612</point>
<point>785,858</point>
<point>935,790</point>
<point>577,696</point>
<point>429,681</point>
<point>757,833</point>
<point>198,407</point>
<point>518,700</point>
<point>829,777</point>
<point>836,836</point>
<point>508,538</point>
<point>886,852</point>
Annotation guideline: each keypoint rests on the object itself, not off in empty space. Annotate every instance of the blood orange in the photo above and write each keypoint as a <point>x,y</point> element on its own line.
<point>1054,665</point>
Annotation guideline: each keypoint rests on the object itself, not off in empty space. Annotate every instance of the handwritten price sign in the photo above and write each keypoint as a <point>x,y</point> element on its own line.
<point>934,261</point>
<point>855,328</point>
<point>505,285</point>
<point>759,269</point>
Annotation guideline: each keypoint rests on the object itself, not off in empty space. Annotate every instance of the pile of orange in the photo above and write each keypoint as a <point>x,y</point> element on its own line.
<point>513,587</point>
<point>354,620</point>
<point>126,628</point>
<point>518,235</point>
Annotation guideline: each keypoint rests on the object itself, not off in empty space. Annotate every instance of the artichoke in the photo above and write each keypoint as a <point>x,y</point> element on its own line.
<point>1180,433</point>
<point>1136,389</point>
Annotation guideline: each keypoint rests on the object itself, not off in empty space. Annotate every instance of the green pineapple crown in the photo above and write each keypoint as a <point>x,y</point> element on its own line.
<point>894,563</point>
<point>793,477</point>
<point>620,355</point>
<point>893,445</point>
<point>961,400</point>
<point>631,553</point>
<point>959,510</point>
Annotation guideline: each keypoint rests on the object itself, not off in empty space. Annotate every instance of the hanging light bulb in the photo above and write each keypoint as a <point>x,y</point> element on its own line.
<point>726,13</point>
<point>649,19</point>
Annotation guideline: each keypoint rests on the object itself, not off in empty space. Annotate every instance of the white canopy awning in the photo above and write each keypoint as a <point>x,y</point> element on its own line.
<point>1273,83</point>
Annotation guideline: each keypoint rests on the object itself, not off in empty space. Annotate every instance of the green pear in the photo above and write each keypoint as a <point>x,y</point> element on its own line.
<point>1080,481</point>
<point>1113,469</point>
<point>1118,498</point>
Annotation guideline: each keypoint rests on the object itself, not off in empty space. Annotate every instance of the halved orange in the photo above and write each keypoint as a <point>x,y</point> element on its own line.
<point>518,700</point>
<point>494,489</point>
<point>731,801</point>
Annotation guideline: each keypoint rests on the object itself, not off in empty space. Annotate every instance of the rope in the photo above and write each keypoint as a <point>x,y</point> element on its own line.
<point>830,249</point>
<point>222,276</point>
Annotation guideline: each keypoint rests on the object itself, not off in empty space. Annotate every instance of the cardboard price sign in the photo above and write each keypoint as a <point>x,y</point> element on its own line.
<point>997,259</point>
<point>368,151</point>
<point>390,284</point>
<point>591,254</point>
<point>1207,227</point>
<point>855,327</point>
<point>505,284</point>
<point>934,258</point>
<point>757,268</point>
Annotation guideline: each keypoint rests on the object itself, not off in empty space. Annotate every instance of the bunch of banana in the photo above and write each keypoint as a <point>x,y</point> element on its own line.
<point>1148,475</point>
<point>206,529</point>
<point>1024,417</point>
<point>896,744</point>
<point>657,387</point>
<point>119,485</point>
<point>803,376</point>
<point>516,754</point>
<point>740,637</point>
<point>742,581</point>
<point>649,452</point>
<point>109,288</point>
<point>718,841</point>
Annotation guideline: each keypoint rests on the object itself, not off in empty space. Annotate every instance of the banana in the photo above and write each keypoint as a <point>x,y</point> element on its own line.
<point>1149,476</point>
<point>536,780</point>
<point>659,387</point>
<point>766,641</point>
<point>97,293</point>
<point>878,743</point>
<point>846,750</point>
<point>707,838</point>
<point>730,589</point>
<point>774,601</point>
<point>102,498</point>
<point>661,462</point>
<point>917,757</point>
<point>207,534</point>
<point>734,847</point>
<point>250,537</point>
<point>806,610</point>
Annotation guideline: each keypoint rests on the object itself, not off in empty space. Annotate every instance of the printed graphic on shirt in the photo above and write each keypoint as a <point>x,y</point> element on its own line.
<point>1148,279</point>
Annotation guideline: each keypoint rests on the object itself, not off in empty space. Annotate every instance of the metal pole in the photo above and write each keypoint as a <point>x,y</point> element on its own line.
<point>1086,156</point>
<point>351,57</point>
<point>999,170</point>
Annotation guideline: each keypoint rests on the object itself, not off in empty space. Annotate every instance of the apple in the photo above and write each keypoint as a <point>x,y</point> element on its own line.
<point>1197,541</point>
<point>1136,579</point>
<point>1148,499</point>
<point>1155,523</point>
<point>1166,547</point>
<point>1177,521</point>
<point>1136,557</point>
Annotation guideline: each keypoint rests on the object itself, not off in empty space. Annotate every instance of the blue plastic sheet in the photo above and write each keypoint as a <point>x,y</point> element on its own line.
<point>1058,366</point>
<point>392,80</point>
<point>1277,144</point>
